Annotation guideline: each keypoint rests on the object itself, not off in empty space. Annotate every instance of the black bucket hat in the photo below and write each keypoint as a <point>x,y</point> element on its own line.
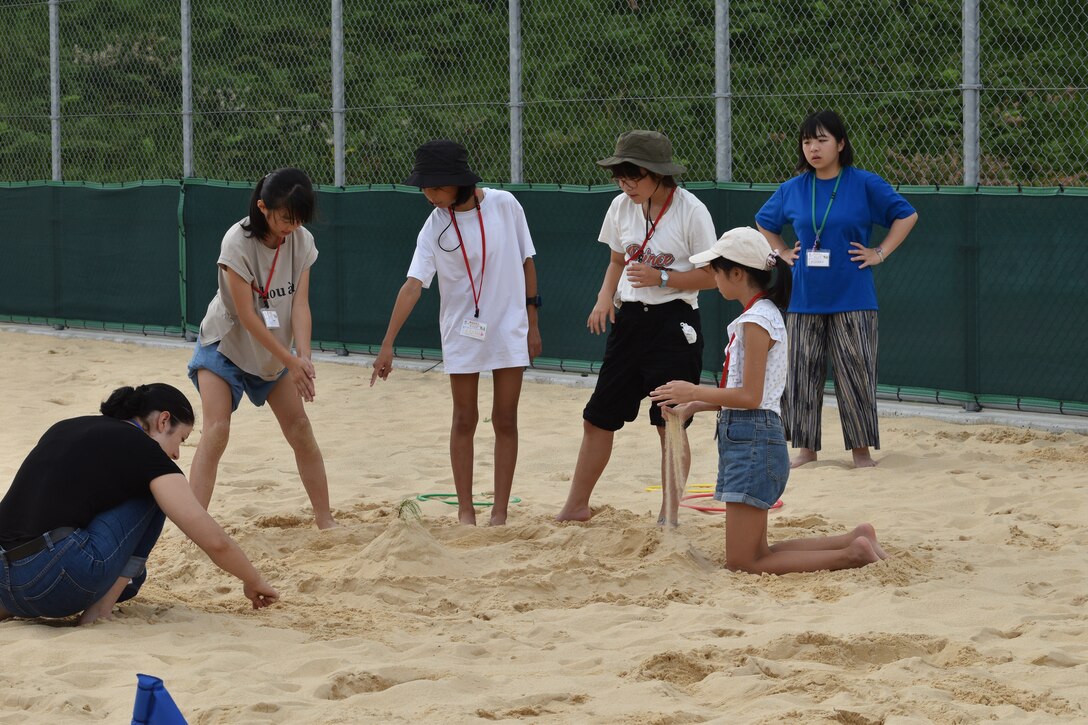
<point>441,163</point>
<point>649,149</point>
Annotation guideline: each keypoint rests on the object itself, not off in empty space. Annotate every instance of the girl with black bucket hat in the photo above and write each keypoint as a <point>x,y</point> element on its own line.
<point>650,295</point>
<point>477,242</point>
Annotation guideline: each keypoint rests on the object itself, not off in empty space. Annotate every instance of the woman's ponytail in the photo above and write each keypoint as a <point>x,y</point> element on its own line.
<point>128,402</point>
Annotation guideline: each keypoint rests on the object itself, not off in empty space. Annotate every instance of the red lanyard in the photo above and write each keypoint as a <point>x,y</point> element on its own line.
<point>263,293</point>
<point>725,366</point>
<point>483,260</point>
<point>653,228</point>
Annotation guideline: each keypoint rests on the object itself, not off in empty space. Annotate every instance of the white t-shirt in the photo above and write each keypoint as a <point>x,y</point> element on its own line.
<point>767,316</point>
<point>684,230</point>
<point>501,290</point>
<point>252,260</point>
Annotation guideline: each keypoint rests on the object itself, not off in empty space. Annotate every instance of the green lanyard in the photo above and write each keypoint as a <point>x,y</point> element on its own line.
<point>816,244</point>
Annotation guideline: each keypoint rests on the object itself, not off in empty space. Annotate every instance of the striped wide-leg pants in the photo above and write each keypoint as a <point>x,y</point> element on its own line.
<point>849,339</point>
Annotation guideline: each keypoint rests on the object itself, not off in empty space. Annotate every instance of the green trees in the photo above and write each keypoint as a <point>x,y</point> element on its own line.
<point>591,69</point>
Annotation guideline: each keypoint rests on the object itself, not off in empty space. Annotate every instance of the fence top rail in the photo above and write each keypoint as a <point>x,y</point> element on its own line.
<point>1033,191</point>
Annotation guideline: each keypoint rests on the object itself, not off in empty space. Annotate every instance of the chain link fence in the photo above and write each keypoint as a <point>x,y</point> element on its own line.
<point>934,92</point>
<point>24,93</point>
<point>1034,99</point>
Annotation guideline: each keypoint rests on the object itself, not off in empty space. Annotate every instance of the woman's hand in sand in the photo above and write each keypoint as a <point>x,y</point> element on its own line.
<point>674,393</point>
<point>302,375</point>
<point>260,594</point>
<point>603,313</point>
<point>383,365</point>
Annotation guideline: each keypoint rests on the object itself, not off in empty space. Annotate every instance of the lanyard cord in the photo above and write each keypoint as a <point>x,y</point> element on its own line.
<point>652,229</point>
<point>263,292</point>
<point>483,258</point>
<point>725,365</point>
<point>816,244</point>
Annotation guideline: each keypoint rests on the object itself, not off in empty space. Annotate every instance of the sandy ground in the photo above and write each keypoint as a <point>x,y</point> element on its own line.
<point>979,613</point>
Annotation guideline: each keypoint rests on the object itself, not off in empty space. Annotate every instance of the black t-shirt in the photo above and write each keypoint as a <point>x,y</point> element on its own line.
<point>80,468</point>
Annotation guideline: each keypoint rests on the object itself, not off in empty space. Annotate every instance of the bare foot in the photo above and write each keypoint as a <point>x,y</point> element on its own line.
<point>861,552</point>
<point>498,518</point>
<point>581,513</point>
<point>326,522</point>
<point>804,455</point>
<point>862,458</point>
<point>94,613</point>
<point>867,531</point>
<point>467,518</point>
<point>5,614</point>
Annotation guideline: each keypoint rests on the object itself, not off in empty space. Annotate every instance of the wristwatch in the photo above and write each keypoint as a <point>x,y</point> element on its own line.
<point>664,278</point>
<point>535,301</point>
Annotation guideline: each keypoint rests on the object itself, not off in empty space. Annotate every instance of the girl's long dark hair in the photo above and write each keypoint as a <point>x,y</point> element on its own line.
<point>288,191</point>
<point>776,283</point>
<point>128,402</point>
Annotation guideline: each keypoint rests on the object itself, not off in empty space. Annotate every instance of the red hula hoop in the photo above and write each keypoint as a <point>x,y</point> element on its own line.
<point>713,509</point>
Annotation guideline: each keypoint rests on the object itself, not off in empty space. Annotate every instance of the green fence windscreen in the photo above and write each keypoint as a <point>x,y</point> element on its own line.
<point>108,254</point>
<point>983,298</point>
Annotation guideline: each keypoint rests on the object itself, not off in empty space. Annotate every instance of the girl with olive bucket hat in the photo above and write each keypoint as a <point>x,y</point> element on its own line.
<point>477,241</point>
<point>650,295</point>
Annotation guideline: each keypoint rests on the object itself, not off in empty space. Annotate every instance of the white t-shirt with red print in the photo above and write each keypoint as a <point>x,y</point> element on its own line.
<point>685,229</point>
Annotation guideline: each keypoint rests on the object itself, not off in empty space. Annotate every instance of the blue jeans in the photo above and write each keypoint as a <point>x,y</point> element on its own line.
<point>78,570</point>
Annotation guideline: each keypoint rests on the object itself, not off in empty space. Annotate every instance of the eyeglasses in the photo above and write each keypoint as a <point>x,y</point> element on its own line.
<point>628,182</point>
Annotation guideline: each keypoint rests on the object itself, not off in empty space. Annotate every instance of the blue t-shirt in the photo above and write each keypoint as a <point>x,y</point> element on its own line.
<point>863,199</point>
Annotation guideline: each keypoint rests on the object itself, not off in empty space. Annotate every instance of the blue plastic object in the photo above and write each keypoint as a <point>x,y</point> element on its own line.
<point>154,706</point>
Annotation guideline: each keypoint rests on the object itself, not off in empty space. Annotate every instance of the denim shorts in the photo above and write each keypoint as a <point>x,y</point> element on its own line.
<point>256,388</point>
<point>753,462</point>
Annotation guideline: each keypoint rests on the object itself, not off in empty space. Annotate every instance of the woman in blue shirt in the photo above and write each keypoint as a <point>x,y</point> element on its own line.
<point>832,207</point>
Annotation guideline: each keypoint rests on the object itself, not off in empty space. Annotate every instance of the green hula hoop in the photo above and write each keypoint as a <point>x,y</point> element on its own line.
<point>445,498</point>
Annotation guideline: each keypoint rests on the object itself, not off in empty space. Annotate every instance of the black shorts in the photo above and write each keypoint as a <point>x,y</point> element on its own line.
<point>646,348</point>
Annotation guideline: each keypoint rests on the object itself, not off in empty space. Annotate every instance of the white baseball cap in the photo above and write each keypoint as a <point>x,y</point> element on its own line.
<point>742,245</point>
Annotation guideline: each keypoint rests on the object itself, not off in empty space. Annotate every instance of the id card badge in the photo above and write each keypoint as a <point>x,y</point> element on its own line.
<point>271,319</point>
<point>471,327</point>
<point>818,258</point>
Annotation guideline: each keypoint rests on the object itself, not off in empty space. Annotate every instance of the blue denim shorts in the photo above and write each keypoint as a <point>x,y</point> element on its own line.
<point>256,388</point>
<point>753,461</point>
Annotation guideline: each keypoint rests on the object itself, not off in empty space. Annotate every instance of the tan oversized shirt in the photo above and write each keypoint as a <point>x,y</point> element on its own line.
<point>252,260</point>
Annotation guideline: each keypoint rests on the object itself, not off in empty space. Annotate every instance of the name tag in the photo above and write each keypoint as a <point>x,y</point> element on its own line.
<point>271,319</point>
<point>471,327</point>
<point>818,258</point>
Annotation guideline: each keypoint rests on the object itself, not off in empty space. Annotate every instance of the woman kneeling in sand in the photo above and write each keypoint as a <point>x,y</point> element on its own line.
<point>100,488</point>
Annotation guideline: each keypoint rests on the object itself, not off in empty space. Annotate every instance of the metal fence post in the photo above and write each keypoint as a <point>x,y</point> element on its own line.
<point>971,90</point>
<point>186,90</point>
<point>516,103</point>
<point>723,106</point>
<point>338,91</point>
<point>54,85</point>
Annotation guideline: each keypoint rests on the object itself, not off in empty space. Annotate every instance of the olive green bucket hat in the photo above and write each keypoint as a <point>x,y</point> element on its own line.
<point>649,149</point>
